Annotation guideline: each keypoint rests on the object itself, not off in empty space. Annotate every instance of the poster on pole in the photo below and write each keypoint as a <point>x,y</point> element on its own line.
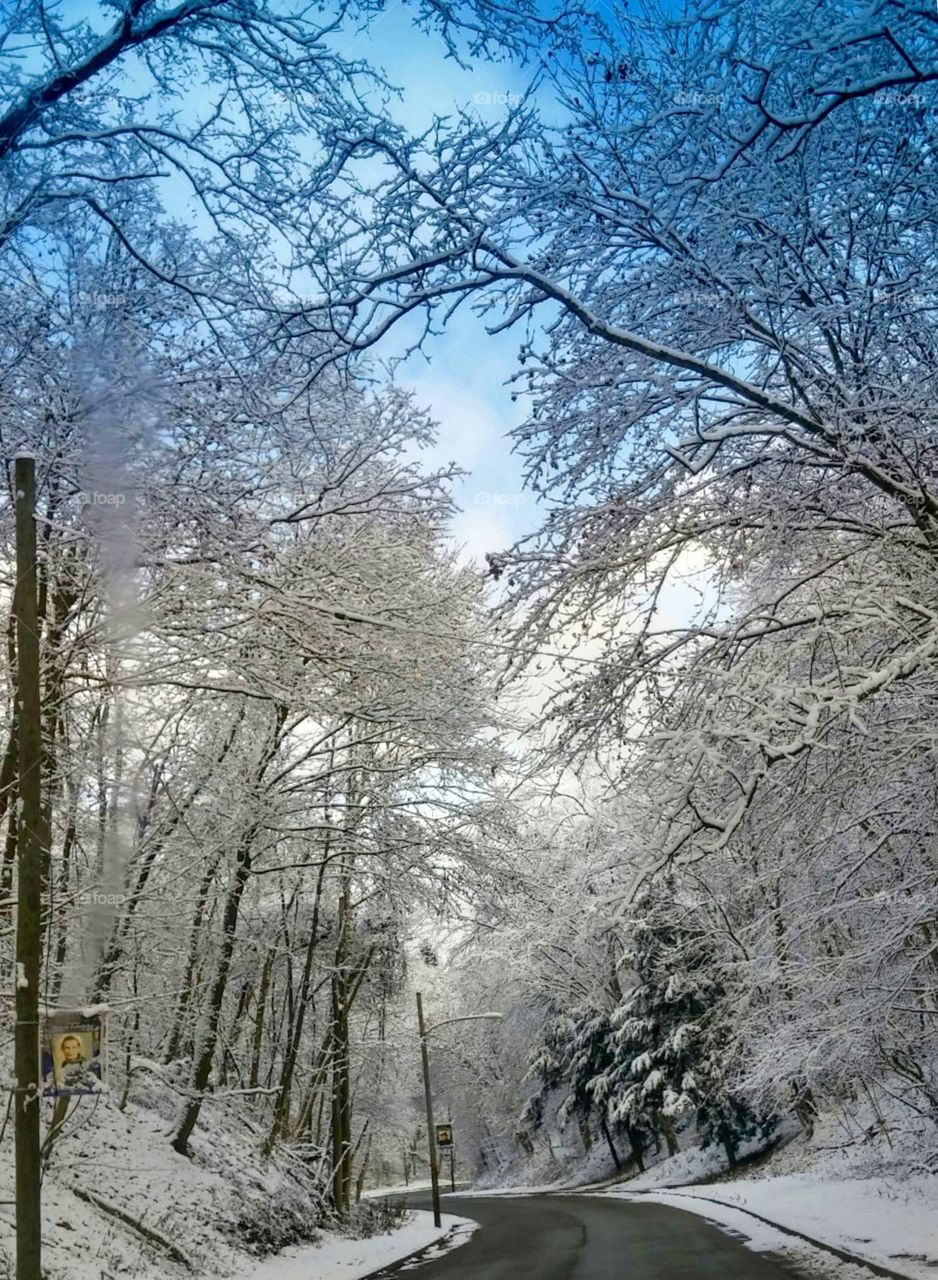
<point>444,1136</point>
<point>73,1052</point>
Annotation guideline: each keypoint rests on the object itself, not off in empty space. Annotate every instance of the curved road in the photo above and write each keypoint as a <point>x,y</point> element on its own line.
<point>591,1238</point>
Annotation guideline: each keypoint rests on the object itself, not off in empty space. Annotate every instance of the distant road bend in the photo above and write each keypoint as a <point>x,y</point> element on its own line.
<point>592,1238</point>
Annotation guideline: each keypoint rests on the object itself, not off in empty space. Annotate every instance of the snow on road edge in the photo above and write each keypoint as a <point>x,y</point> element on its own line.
<point>337,1258</point>
<point>763,1238</point>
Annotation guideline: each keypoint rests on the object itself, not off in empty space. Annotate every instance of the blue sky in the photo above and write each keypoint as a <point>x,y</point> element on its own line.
<point>461,375</point>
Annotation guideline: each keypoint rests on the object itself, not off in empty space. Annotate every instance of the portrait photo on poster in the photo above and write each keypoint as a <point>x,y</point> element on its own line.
<point>72,1053</point>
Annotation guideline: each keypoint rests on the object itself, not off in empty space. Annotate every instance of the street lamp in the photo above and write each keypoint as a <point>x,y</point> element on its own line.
<point>425,1033</point>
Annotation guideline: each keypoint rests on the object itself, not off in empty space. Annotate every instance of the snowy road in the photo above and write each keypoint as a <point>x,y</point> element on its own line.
<point>589,1238</point>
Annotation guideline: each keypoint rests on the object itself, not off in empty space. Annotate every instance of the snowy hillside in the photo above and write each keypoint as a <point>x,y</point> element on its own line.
<point>119,1201</point>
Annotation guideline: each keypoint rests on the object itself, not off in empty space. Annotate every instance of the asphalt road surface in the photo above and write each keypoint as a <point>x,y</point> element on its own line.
<point>590,1238</point>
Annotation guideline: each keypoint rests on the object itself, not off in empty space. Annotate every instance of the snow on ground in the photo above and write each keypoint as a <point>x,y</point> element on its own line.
<point>401,1189</point>
<point>865,1181</point>
<point>510,1191</point>
<point>119,1202</point>
<point>692,1164</point>
<point>850,1186</point>
<point>760,1237</point>
<point>862,1184</point>
<point>555,1165</point>
<point>894,1224</point>
<point>335,1258</point>
<point>124,1160</point>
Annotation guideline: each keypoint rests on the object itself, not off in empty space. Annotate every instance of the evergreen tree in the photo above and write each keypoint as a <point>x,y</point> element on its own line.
<point>577,1054</point>
<point>669,1037</point>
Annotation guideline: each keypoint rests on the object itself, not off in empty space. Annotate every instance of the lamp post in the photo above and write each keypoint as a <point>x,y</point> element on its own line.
<point>425,1033</point>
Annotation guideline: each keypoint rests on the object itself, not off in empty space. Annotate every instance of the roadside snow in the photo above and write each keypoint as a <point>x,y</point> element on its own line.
<point>890,1222</point>
<point>402,1189</point>
<point>886,1221</point>
<point>501,1192</point>
<point>336,1258</point>
<point>761,1238</point>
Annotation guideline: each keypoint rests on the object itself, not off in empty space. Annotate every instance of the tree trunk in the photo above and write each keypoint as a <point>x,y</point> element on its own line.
<point>148,858</point>
<point>188,984</point>
<point>341,1093</point>
<point>314,1090</point>
<point>61,920</point>
<point>260,1014</point>
<point>8,794</point>
<point>612,1146</point>
<point>203,1069</point>
<point>282,1109</point>
<point>363,1170</point>
<point>670,1137</point>
<point>635,1144</point>
<point>804,1106</point>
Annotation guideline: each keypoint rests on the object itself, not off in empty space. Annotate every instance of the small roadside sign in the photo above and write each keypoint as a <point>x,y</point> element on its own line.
<point>444,1135</point>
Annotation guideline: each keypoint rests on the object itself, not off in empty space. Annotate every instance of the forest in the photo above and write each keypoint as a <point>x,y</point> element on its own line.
<point>656,782</point>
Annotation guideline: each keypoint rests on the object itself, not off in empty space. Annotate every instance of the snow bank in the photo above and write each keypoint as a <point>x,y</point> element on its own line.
<point>557,1166</point>
<point>757,1235</point>
<point>894,1225</point>
<point>890,1222</point>
<point>547,1188</point>
<point>335,1258</point>
<point>117,1200</point>
<point>401,1189</point>
<point>862,1183</point>
<point>691,1165</point>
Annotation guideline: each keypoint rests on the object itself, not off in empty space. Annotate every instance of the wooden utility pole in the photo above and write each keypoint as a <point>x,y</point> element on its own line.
<point>341,1074</point>
<point>425,1032</point>
<point>431,1128</point>
<point>29,856</point>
